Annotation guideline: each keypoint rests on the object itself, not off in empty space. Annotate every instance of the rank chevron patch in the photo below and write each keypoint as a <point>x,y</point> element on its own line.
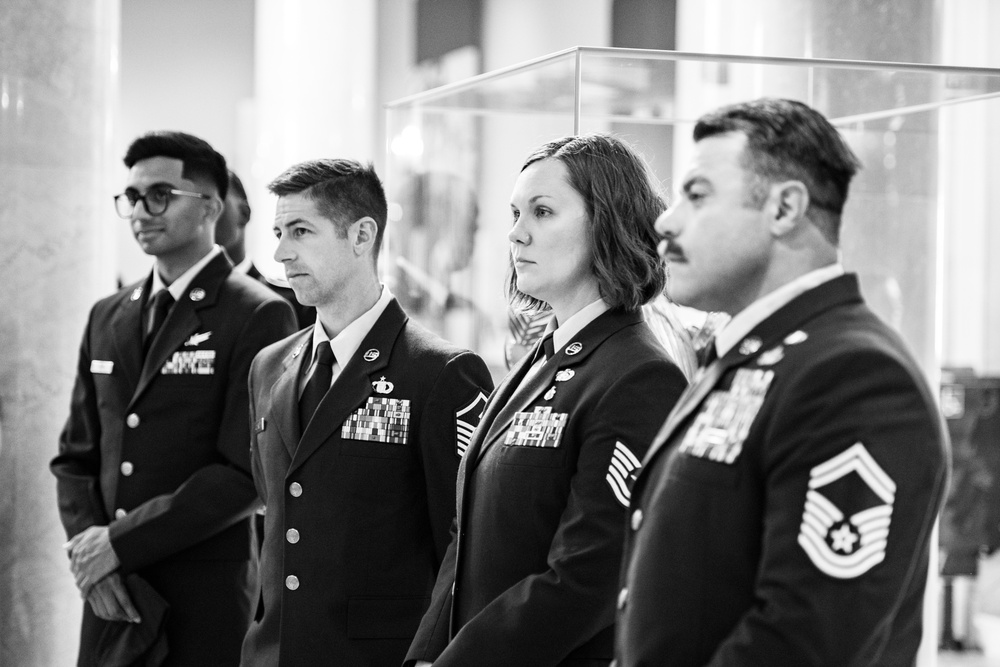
<point>622,470</point>
<point>840,545</point>
<point>466,420</point>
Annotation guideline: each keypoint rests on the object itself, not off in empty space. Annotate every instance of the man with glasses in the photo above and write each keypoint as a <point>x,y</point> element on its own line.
<point>153,471</point>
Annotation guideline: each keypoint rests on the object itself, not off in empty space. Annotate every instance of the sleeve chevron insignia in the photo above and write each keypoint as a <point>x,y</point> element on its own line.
<point>845,543</point>
<point>466,421</point>
<point>624,468</point>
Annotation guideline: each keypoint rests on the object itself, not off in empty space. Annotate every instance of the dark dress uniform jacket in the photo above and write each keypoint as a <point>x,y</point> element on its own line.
<point>532,576</point>
<point>158,449</point>
<point>356,528</point>
<point>782,517</point>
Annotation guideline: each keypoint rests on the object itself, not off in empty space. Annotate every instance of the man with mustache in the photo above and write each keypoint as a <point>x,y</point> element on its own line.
<point>783,514</point>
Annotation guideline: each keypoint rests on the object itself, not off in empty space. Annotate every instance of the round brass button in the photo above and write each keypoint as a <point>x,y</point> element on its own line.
<point>636,519</point>
<point>127,468</point>
<point>132,420</point>
<point>622,598</point>
<point>120,513</point>
<point>291,582</point>
<point>292,535</point>
<point>295,489</point>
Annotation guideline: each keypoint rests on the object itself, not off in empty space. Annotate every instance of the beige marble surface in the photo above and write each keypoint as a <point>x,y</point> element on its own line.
<point>56,101</point>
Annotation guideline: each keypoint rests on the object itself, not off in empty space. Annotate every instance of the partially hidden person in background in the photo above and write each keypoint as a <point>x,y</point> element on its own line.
<point>784,514</point>
<point>230,233</point>
<point>525,328</point>
<point>359,423</point>
<point>153,471</point>
<point>530,575</point>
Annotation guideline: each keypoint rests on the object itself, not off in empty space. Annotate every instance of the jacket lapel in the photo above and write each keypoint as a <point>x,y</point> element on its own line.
<point>183,319</point>
<point>353,386</point>
<point>770,332</point>
<point>285,392</point>
<point>689,400</point>
<point>520,397</point>
<point>497,400</point>
<point>126,331</point>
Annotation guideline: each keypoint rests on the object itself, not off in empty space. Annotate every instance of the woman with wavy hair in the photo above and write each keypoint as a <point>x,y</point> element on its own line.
<point>530,577</point>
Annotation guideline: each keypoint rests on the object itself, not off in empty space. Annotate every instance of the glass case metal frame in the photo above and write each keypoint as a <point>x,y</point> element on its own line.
<point>454,152</point>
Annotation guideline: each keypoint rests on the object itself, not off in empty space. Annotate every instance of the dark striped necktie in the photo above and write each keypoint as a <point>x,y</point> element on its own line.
<point>157,313</point>
<point>317,386</point>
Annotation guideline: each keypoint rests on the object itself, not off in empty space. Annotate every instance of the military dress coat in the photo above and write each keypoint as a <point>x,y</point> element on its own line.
<point>157,449</point>
<point>360,503</point>
<point>531,576</point>
<point>784,513</point>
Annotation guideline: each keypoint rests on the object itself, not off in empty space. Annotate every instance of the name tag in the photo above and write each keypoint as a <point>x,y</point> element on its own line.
<point>381,419</point>
<point>541,428</point>
<point>101,367</point>
<point>190,362</point>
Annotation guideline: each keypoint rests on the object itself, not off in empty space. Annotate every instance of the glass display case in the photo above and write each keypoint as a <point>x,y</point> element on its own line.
<point>454,153</point>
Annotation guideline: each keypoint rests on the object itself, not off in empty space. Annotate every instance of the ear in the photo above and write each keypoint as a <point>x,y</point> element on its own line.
<point>786,206</point>
<point>244,214</point>
<point>213,210</point>
<point>364,236</point>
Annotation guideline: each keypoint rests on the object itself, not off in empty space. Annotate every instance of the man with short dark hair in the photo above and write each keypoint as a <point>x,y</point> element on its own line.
<point>359,425</point>
<point>783,515</point>
<point>153,472</point>
<point>230,233</point>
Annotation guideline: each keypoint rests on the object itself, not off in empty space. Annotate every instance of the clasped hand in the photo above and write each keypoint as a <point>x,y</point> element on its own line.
<point>93,562</point>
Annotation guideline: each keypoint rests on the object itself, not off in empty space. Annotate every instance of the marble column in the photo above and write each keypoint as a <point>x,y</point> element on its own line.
<point>507,139</point>
<point>315,97</point>
<point>970,200</point>
<point>57,77</point>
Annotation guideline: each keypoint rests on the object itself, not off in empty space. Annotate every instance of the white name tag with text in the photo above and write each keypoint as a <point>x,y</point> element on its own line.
<point>101,367</point>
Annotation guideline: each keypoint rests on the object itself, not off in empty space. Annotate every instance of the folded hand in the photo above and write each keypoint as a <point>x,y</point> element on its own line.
<point>110,600</point>
<point>91,557</point>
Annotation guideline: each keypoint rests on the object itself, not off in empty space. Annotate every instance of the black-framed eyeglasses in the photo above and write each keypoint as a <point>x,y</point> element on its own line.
<point>155,200</point>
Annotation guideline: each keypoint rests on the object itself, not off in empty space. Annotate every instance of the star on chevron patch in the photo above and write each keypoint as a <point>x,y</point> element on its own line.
<point>848,508</point>
<point>466,421</point>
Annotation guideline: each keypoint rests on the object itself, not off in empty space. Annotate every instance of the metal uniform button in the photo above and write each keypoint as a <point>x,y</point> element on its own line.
<point>291,582</point>
<point>120,513</point>
<point>292,535</point>
<point>127,468</point>
<point>132,420</point>
<point>636,519</point>
<point>622,598</point>
<point>295,489</point>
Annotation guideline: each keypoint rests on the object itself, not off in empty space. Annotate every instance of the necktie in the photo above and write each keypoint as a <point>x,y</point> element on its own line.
<point>547,348</point>
<point>707,354</point>
<point>317,386</point>
<point>162,301</point>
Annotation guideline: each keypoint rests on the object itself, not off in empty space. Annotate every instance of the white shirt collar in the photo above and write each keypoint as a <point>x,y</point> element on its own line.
<point>244,266</point>
<point>744,322</point>
<point>347,342</point>
<point>179,286</point>
<point>564,333</point>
